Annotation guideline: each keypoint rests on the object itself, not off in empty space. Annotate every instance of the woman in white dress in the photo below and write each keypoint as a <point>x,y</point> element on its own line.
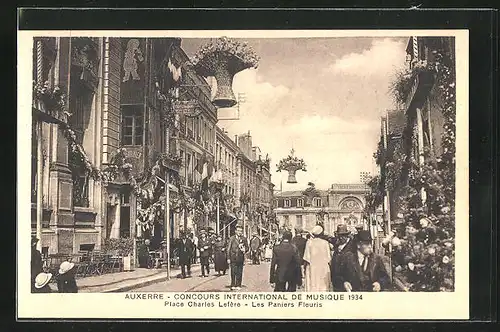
<point>317,258</point>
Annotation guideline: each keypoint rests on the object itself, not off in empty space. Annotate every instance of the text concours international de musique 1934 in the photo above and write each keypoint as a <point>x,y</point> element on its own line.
<point>242,300</point>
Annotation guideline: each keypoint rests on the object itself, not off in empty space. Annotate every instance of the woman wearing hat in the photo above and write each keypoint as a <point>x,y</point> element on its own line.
<point>317,258</point>
<point>66,282</point>
<point>42,283</point>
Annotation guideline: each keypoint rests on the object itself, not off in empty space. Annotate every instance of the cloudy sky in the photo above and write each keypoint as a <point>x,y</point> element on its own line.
<point>323,97</point>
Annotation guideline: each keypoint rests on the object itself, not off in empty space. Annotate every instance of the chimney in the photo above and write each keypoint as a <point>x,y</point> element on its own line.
<point>236,139</point>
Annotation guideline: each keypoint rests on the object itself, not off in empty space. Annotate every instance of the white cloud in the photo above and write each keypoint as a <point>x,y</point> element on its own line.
<point>382,58</point>
<point>332,124</point>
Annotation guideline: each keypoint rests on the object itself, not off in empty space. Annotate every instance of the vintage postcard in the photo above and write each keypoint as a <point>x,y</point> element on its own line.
<point>295,174</point>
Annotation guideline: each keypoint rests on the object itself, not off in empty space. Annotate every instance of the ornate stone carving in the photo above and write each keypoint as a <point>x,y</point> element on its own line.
<point>85,56</point>
<point>350,204</point>
<point>133,56</point>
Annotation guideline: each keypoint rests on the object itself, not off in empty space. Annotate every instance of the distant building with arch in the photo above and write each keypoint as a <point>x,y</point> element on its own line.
<point>340,204</point>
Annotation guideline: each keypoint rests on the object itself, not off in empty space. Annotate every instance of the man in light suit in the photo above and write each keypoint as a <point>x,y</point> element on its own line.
<point>236,250</point>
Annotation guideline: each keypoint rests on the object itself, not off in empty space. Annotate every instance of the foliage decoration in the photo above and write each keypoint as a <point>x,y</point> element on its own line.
<point>121,246</point>
<point>402,85</point>
<point>424,249</point>
<point>53,100</point>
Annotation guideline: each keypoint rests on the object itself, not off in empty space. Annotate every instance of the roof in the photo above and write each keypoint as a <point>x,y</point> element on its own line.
<point>297,193</point>
<point>396,122</point>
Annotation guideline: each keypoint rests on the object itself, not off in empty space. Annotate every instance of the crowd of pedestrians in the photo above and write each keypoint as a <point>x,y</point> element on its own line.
<point>344,263</point>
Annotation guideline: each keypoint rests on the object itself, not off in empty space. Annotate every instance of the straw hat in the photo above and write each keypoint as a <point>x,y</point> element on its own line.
<point>317,230</point>
<point>65,267</point>
<point>42,279</point>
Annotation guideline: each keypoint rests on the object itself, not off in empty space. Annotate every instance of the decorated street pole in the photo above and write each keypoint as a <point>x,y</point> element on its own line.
<point>167,224</point>
<point>217,226</point>
<point>39,183</point>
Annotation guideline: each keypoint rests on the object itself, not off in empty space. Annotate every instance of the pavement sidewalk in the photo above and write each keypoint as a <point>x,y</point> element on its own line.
<point>125,281</point>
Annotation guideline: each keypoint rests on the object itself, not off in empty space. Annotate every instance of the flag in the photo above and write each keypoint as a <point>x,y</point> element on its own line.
<point>205,168</point>
<point>174,71</point>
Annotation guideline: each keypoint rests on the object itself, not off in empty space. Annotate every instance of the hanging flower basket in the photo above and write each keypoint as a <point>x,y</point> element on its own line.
<point>291,164</point>
<point>222,59</point>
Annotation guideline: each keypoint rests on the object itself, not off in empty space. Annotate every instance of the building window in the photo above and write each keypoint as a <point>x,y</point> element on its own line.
<point>132,124</point>
<point>300,202</point>
<point>287,203</point>
<point>298,220</point>
<point>317,202</point>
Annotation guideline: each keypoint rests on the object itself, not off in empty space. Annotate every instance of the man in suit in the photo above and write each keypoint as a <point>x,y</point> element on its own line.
<point>236,250</point>
<point>344,243</point>
<point>205,247</point>
<point>185,249</point>
<point>286,271</point>
<point>299,241</point>
<point>255,249</point>
<point>362,270</point>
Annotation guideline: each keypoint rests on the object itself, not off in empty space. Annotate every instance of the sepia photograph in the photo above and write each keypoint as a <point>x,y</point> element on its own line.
<point>223,165</point>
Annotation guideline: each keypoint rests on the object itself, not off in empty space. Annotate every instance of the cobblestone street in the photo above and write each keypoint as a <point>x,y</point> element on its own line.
<point>255,279</point>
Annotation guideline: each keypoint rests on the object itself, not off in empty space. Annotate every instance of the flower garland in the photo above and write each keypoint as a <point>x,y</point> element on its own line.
<point>424,249</point>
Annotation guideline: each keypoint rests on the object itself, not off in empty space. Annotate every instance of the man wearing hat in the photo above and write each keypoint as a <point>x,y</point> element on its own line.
<point>362,270</point>
<point>236,250</point>
<point>36,262</point>
<point>343,243</point>
<point>42,283</point>
<point>185,248</point>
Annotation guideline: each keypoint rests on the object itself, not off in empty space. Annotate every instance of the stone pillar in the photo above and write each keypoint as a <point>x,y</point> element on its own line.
<point>115,228</point>
<point>61,183</point>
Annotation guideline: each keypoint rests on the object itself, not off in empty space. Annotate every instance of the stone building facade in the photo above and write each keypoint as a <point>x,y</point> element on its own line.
<point>340,204</point>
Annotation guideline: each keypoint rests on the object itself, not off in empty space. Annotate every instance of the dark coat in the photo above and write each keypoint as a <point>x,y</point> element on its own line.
<point>234,252</point>
<point>185,250</point>
<point>255,243</point>
<point>335,266</point>
<point>66,283</point>
<point>300,243</point>
<point>205,247</point>
<point>285,264</point>
<point>36,263</point>
<point>220,259</point>
<point>351,271</point>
